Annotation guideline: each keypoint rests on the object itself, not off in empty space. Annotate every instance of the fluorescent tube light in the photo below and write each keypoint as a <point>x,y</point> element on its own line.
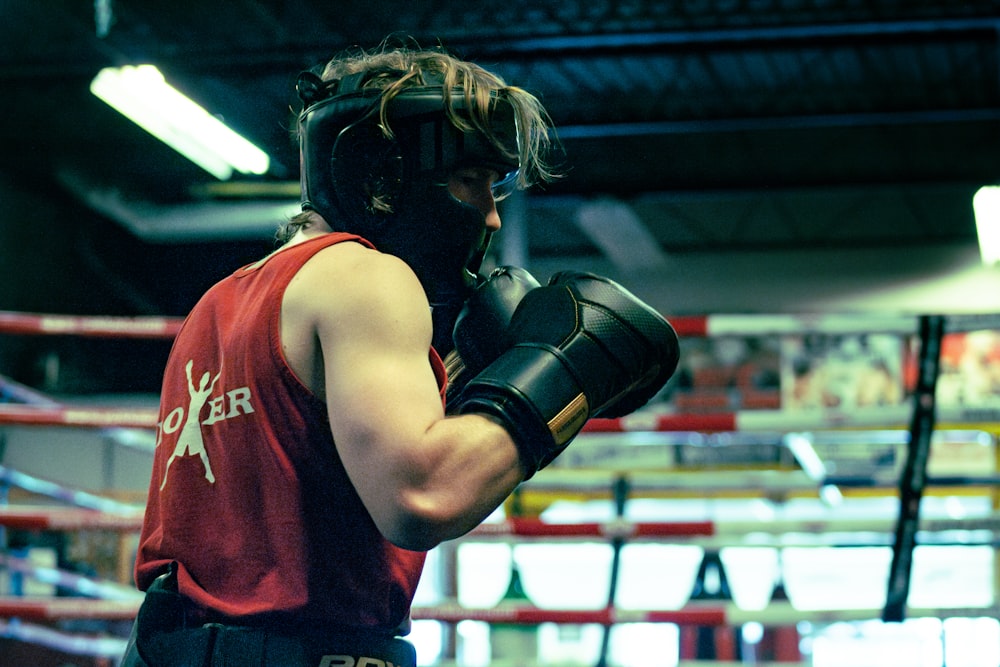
<point>986,205</point>
<point>142,94</point>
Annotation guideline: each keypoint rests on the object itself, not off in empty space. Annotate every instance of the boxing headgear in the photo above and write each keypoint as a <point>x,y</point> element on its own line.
<point>347,157</point>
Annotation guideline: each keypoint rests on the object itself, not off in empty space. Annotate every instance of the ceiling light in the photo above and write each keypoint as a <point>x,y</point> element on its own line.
<point>986,205</point>
<point>142,94</point>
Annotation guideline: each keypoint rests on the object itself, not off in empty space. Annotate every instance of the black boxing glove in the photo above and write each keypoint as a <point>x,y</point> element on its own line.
<point>594,287</point>
<point>581,347</point>
<point>480,326</point>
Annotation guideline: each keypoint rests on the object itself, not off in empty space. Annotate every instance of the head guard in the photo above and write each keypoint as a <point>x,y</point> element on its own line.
<point>347,158</point>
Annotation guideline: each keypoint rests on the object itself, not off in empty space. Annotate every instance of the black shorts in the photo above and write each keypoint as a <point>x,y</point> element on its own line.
<point>160,638</point>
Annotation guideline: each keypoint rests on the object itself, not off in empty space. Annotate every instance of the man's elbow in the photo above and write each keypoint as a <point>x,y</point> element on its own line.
<point>421,523</point>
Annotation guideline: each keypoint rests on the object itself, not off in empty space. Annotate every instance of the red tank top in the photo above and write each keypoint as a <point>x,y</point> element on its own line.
<point>248,495</point>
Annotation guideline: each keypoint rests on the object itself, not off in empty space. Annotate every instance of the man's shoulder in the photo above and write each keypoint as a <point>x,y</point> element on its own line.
<point>354,258</point>
<point>348,270</point>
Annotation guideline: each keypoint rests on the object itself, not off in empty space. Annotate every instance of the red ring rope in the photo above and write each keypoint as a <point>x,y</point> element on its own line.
<point>693,326</point>
<point>103,327</point>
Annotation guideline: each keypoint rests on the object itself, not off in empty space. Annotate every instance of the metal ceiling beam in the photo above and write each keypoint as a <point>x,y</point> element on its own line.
<point>600,43</point>
<point>203,221</point>
<point>818,121</point>
<point>519,48</point>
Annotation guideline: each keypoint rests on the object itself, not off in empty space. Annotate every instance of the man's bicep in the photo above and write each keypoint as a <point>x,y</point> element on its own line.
<point>380,388</point>
<point>382,392</point>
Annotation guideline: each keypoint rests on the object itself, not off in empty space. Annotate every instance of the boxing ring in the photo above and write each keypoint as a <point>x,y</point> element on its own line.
<point>616,460</point>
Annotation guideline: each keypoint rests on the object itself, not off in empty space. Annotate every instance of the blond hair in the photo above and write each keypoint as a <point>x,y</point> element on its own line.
<point>394,69</point>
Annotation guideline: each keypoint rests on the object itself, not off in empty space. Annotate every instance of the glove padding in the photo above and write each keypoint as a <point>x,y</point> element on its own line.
<point>479,332</point>
<point>583,346</point>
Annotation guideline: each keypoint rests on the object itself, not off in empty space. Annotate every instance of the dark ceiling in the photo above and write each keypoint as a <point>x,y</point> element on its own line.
<point>687,124</point>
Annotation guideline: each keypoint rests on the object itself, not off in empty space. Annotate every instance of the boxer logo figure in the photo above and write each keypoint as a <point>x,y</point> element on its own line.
<point>190,440</point>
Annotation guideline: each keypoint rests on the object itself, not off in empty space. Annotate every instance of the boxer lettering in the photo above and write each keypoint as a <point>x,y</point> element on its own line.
<point>232,403</point>
<point>170,424</point>
<point>190,441</point>
<point>239,400</point>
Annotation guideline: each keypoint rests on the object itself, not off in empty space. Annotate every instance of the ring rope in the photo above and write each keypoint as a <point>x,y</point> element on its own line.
<point>23,517</point>
<point>685,325</point>
<point>760,325</point>
<point>526,527</point>
<point>27,517</point>
<point>86,586</point>
<point>80,416</point>
<point>598,481</point>
<point>74,497</point>
<point>644,421</point>
<point>701,614</point>
<point>73,644</point>
<point>15,392</point>
<point>54,609</point>
<point>98,327</point>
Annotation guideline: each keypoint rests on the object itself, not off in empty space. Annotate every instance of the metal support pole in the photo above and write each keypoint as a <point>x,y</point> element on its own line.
<point>914,475</point>
<point>621,491</point>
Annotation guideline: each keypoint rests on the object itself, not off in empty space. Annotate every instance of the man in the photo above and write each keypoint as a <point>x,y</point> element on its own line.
<point>327,464</point>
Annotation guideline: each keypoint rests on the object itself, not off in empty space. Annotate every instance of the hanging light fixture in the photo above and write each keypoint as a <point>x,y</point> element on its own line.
<point>141,93</point>
<point>986,205</point>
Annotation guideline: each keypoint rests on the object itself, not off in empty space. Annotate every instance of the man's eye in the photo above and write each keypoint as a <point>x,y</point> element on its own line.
<point>478,176</point>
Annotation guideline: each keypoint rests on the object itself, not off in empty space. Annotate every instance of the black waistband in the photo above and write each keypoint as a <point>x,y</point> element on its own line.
<point>165,636</point>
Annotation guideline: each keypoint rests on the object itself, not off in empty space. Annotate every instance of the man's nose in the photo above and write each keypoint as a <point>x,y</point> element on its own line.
<point>493,223</point>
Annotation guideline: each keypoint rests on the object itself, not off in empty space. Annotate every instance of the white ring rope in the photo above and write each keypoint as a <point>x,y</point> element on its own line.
<point>686,325</point>
<point>701,614</point>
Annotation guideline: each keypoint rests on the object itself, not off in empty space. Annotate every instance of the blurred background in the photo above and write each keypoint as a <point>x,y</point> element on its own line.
<point>808,165</point>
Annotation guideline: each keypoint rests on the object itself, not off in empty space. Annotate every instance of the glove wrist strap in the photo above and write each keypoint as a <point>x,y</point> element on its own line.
<point>535,396</point>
